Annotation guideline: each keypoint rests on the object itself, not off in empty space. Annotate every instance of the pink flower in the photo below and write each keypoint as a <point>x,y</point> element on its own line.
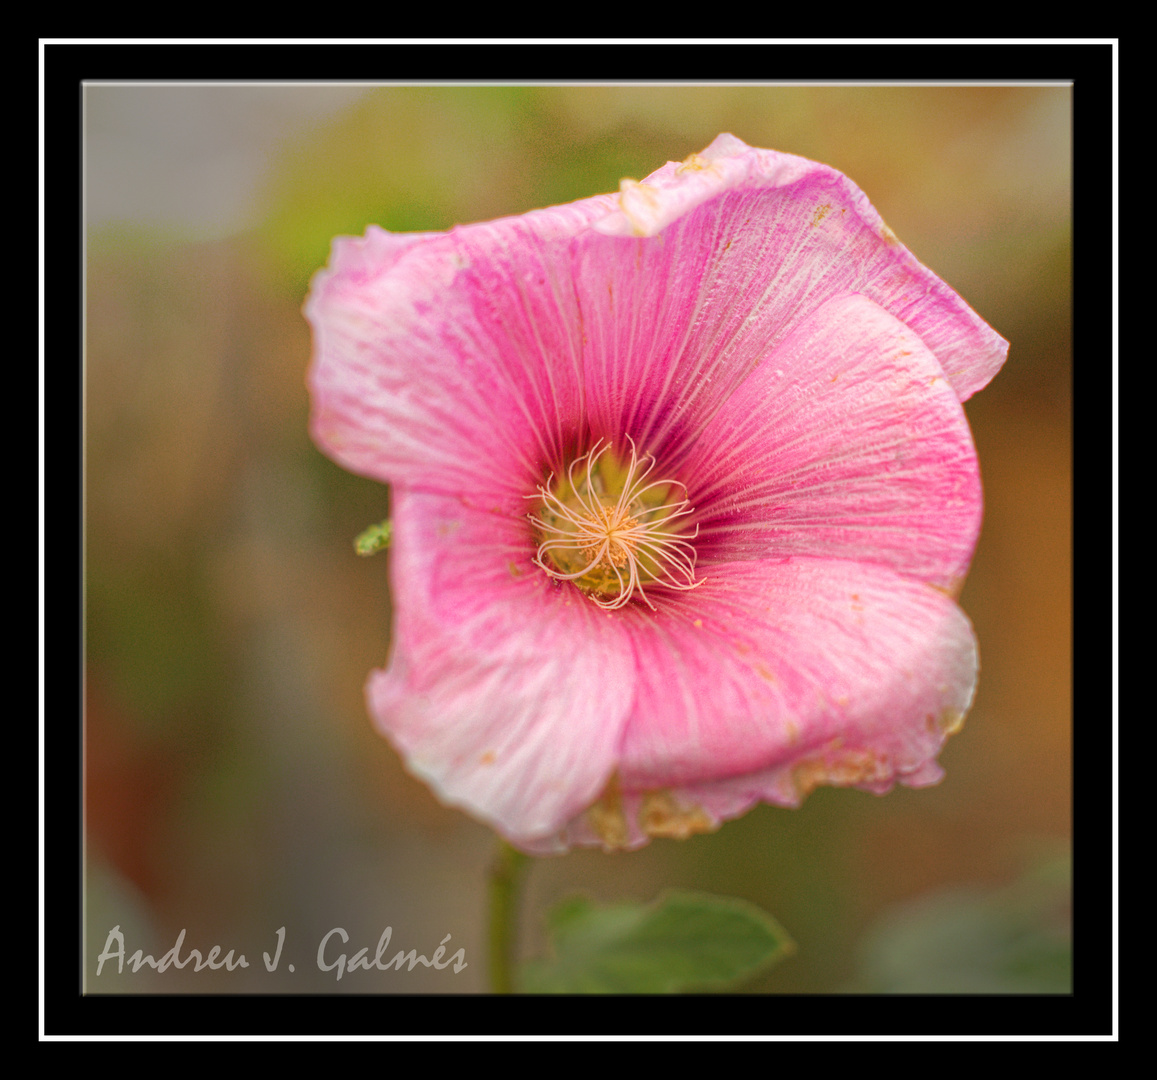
<point>682,492</point>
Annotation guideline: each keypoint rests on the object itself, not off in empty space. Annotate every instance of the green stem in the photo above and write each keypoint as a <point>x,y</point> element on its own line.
<point>505,876</point>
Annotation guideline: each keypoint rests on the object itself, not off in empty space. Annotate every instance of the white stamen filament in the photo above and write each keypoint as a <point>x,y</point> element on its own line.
<point>612,537</point>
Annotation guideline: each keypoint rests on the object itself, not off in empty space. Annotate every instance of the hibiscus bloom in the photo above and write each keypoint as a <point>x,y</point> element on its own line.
<point>682,492</point>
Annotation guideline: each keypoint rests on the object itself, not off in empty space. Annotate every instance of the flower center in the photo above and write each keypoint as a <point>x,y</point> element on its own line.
<point>610,531</point>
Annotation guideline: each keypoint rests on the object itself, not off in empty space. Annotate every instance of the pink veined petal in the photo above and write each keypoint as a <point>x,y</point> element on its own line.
<point>771,679</point>
<point>505,693</point>
<point>452,361</point>
<point>847,442</point>
<point>779,235</point>
<point>507,341</point>
<point>775,677</point>
<point>772,663</point>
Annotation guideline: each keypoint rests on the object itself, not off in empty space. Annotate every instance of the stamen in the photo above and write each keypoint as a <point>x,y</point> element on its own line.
<point>610,542</point>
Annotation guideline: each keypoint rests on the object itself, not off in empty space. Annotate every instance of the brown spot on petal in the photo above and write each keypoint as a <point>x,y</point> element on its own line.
<point>887,235</point>
<point>692,164</point>
<point>488,758</point>
<point>640,191</point>
<point>842,770</point>
<point>821,213</point>
<point>606,817</point>
<point>951,590</point>
<point>662,815</point>
<point>951,721</point>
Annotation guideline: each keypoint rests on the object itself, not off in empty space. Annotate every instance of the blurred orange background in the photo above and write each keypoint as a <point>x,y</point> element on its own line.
<point>234,784</point>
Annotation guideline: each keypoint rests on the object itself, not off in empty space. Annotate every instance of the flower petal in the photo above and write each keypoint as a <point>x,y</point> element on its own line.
<point>452,361</point>
<point>790,675</point>
<point>506,693</point>
<point>782,234</point>
<point>848,443</point>
<point>782,661</point>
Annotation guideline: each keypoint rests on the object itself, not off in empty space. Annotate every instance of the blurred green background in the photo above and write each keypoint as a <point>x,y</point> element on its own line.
<point>233,782</point>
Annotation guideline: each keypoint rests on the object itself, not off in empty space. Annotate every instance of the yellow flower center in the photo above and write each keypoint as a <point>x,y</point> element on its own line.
<point>610,531</point>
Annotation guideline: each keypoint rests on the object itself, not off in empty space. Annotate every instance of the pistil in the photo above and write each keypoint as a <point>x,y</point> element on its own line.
<point>610,531</point>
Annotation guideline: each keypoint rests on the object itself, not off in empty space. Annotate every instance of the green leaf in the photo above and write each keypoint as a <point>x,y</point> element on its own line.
<point>682,941</point>
<point>374,539</point>
<point>1011,940</point>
